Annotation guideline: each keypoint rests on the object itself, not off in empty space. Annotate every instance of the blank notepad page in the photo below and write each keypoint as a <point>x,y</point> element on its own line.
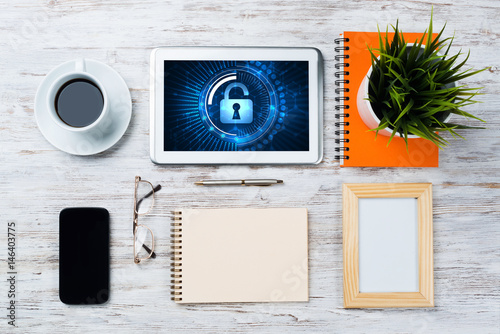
<point>244,255</point>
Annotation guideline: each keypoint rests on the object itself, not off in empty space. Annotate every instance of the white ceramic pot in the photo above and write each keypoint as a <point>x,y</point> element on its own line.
<point>366,111</point>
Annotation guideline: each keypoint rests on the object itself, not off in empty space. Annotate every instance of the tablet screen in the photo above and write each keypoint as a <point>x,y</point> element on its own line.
<point>236,105</point>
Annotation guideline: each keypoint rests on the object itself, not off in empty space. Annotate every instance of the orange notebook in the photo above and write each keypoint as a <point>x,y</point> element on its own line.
<point>358,146</point>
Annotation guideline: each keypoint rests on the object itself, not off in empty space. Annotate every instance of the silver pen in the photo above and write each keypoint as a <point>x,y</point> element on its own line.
<point>250,182</point>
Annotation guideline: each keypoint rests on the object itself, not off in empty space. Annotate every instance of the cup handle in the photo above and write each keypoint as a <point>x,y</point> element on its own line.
<point>80,65</point>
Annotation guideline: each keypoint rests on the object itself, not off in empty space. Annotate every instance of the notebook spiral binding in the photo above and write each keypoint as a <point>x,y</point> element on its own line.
<point>341,109</point>
<point>176,258</point>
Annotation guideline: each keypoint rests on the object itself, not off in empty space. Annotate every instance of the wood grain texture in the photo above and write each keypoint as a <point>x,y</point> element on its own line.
<point>353,298</point>
<point>37,180</point>
<point>426,246</point>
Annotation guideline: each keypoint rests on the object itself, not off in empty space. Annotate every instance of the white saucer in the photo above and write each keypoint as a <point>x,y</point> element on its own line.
<point>98,140</point>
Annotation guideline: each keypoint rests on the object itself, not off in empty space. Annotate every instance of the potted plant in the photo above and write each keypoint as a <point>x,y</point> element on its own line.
<point>411,89</point>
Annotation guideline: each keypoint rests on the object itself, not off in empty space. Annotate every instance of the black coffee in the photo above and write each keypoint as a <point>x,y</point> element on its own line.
<point>79,103</point>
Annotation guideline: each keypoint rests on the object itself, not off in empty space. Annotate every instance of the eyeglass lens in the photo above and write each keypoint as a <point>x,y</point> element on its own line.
<point>145,197</point>
<point>143,236</point>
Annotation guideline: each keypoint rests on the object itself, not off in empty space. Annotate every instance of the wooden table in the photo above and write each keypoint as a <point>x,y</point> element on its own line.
<point>37,180</point>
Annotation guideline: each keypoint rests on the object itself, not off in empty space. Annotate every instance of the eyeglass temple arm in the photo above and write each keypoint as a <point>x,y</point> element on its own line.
<point>153,254</point>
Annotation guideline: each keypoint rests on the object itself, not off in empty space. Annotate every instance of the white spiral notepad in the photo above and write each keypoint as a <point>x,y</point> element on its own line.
<point>240,255</point>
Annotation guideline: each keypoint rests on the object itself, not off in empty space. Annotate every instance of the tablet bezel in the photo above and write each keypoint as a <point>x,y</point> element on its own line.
<point>312,55</point>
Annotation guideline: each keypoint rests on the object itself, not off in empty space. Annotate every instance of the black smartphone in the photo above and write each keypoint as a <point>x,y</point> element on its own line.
<point>84,256</point>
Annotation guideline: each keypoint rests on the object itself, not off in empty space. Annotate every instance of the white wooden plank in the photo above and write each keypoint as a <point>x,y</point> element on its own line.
<point>37,180</point>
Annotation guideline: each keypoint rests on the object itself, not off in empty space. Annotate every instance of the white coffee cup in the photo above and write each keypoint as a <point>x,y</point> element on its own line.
<point>79,73</point>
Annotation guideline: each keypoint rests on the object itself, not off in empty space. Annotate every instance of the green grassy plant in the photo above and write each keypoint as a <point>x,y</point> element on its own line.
<point>409,88</point>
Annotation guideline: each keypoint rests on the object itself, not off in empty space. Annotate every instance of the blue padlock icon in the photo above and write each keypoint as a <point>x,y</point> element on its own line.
<point>236,111</point>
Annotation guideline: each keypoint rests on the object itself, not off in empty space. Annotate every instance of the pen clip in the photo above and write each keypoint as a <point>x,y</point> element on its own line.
<point>255,185</point>
<point>260,182</point>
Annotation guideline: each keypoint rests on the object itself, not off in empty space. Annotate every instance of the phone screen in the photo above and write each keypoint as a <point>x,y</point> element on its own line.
<point>84,256</point>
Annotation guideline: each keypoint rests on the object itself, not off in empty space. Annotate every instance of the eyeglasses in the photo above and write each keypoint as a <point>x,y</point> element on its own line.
<point>144,199</point>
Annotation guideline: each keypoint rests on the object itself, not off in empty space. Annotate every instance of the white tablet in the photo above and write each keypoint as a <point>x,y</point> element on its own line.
<point>236,105</point>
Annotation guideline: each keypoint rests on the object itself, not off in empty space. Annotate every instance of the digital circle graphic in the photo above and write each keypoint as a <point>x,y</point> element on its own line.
<point>236,105</point>
<point>239,105</point>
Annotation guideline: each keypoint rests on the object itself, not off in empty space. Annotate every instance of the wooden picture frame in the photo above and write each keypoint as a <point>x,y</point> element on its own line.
<point>353,298</point>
